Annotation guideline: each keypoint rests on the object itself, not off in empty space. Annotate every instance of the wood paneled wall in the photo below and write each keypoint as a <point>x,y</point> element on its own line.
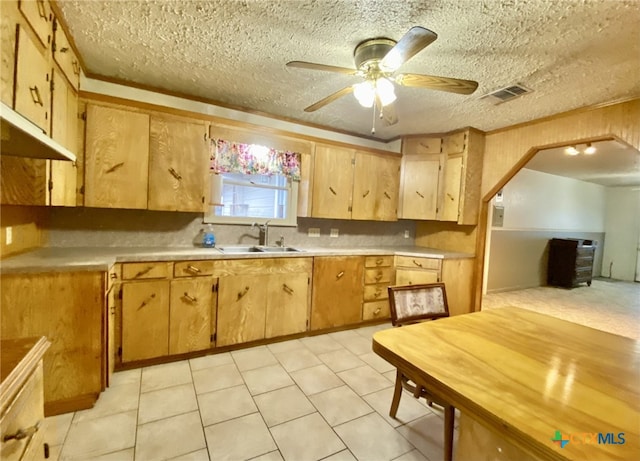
<point>507,150</point>
<point>26,228</point>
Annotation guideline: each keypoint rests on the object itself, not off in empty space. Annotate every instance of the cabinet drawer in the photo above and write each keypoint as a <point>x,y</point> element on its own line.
<point>418,263</point>
<point>24,413</point>
<point>194,268</point>
<point>38,15</point>
<point>584,252</point>
<point>376,292</point>
<point>378,261</point>
<point>382,275</point>
<point>375,310</point>
<point>150,270</point>
<point>416,277</point>
<point>66,58</point>
<point>584,262</point>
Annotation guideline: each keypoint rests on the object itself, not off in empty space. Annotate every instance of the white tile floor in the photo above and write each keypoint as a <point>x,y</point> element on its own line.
<point>323,397</point>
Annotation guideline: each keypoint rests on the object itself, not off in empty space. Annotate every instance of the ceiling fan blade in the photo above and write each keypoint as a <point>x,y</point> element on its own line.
<point>329,99</point>
<point>314,66</point>
<point>414,41</point>
<point>451,85</point>
<point>388,113</point>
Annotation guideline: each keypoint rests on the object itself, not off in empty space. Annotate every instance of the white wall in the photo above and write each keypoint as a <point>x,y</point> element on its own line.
<point>622,232</point>
<point>535,200</point>
<point>537,207</point>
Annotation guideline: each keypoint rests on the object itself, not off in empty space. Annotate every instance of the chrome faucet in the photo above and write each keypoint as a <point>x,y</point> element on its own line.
<point>263,235</point>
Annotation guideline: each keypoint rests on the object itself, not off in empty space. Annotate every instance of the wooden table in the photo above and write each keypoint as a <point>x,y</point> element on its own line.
<point>522,376</point>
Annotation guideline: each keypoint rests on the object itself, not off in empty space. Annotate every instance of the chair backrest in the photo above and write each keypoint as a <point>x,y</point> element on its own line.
<point>415,303</point>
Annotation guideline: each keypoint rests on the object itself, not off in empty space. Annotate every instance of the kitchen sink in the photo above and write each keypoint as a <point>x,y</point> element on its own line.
<point>257,249</point>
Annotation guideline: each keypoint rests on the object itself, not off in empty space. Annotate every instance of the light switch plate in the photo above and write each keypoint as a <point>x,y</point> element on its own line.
<point>314,232</point>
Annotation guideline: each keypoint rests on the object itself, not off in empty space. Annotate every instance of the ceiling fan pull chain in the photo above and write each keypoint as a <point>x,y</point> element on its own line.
<point>373,122</point>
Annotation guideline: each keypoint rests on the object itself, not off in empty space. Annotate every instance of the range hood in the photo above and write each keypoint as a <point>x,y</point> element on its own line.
<point>22,138</point>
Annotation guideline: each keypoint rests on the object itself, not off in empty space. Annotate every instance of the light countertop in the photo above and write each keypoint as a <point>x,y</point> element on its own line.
<point>102,258</point>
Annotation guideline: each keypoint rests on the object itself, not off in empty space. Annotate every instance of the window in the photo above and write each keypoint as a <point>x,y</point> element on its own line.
<point>251,183</point>
<point>253,197</point>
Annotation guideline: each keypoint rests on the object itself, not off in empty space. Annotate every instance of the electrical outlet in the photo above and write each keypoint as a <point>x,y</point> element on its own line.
<point>9,235</point>
<point>334,233</point>
<point>314,232</point>
<point>407,234</point>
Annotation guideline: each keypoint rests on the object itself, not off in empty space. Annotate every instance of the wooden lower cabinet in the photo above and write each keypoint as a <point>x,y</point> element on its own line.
<point>337,291</point>
<point>416,276</point>
<point>241,309</point>
<point>287,304</point>
<point>192,317</point>
<point>69,309</point>
<point>145,320</point>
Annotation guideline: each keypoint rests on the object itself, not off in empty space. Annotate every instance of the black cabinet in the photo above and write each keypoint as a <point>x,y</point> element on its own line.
<point>570,262</point>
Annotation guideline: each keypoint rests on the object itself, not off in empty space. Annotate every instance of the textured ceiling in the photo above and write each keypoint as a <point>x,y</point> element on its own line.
<point>613,165</point>
<point>572,53</point>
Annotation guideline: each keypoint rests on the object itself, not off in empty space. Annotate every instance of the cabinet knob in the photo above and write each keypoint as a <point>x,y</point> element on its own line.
<point>189,298</point>
<point>377,311</point>
<point>114,276</point>
<point>332,191</point>
<point>115,167</point>
<point>139,274</point>
<point>365,194</point>
<point>175,174</point>
<point>242,293</point>
<point>340,274</point>
<point>41,11</point>
<point>193,269</point>
<point>147,301</point>
<point>76,67</point>
<point>387,195</point>
<point>417,263</point>
<point>287,288</point>
<point>378,276</point>
<point>419,194</point>
<point>35,95</point>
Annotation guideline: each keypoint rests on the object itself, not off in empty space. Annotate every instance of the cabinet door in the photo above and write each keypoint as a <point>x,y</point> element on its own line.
<point>145,320</point>
<point>241,309</point>
<point>375,187</point>
<point>190,313</point>
<point>23,181</point>
<point>177,165</point>
<point>116,158</point>
<point>32,94</point>
<point>415,277</point>
<point>287,304</point>
<point>332,182</point>
<point>337,291</point>
<point>420,174</point>
<point>65,56</point>
<point>64,129</point>
<point>451,197</point>
<point>38,14</point>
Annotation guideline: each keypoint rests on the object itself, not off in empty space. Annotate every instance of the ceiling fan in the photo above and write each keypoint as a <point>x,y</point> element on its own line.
<point>376,61</point>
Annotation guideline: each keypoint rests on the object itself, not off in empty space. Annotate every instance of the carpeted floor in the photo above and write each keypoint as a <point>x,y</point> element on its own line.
<point>609,305</point>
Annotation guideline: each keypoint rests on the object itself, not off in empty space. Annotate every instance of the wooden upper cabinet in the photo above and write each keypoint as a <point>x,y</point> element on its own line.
<point>116,158</point>
<point>420,179</point>
<point>32,85</point>
<point>338,290</point>
<point>332,182</point>
<point>38,15</point>
<point>375,187</point>
<point>64,55</point>
<point>64,129</point>
<point>23,181</point>
<point>177,165</point>
<point>421,145</point>
<point>452,185</point>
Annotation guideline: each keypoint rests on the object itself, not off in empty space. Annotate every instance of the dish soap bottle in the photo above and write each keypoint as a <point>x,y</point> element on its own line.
<point>208,237</point>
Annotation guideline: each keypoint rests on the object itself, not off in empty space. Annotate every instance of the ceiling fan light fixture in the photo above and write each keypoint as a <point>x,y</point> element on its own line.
<point>365,93</point>
<point>590,149</point>
<point>385,91</point>
<point>571,150</point>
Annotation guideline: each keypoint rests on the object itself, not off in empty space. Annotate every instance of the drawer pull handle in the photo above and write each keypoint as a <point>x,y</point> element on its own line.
<point>22,433</point>
<point>114,276</point>
<point>387,195</point>
<point>41,11</point>
<point>147,301</point>
<point>332,191</point>
<point>64,49</point>
<point>417,263</point>
<point>287,288</point>
<point>340,274</point>
<point>419,194</point>
<point>450,196</point>
<point>365,194</point>
<point>193,269</point>
<point>379,261</point>
<point>114,167</point>
<point>35,95</point>
<point>139,274</point>
<point>377,311</point>
<point>189,298</point>
<point>76,67</point>
<point>377,294</point>
<point>241,294</point>
<point>175,174</point>
<point>379,276</point>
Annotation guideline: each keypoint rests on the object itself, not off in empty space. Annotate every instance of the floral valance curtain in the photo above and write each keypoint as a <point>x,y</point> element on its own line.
<point>235,157</point>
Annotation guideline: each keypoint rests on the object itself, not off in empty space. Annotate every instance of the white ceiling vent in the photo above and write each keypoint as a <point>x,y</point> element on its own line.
<point>506,94</point>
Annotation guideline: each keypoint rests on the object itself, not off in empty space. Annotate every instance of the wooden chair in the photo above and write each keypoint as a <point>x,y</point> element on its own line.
<point>411,304</point>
